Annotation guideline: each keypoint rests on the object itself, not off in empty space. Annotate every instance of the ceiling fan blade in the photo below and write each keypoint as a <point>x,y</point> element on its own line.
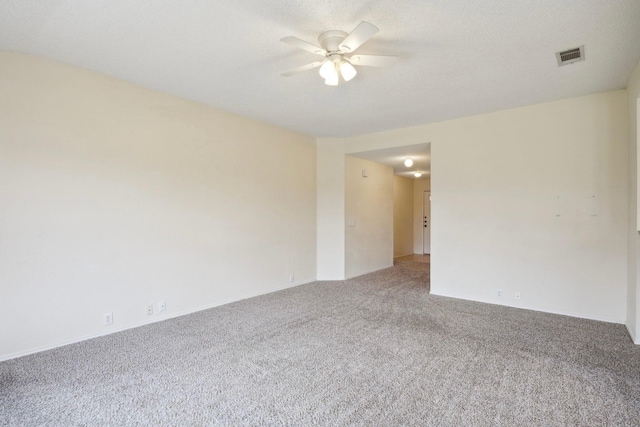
<point>303,68</point>
<point>373,60</point>
<point>301,44</point>
<point>361,34</point>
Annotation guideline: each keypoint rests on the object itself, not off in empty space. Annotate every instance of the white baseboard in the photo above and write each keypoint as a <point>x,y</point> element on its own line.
<point>368,272</point>
<point>540,309</point>
<point>400,256</point>
<point>15,355</point>
<point>635,339</point>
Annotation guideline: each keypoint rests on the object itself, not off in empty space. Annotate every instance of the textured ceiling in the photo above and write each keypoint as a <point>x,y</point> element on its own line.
<point>457,58</point>
<point>395,157</point>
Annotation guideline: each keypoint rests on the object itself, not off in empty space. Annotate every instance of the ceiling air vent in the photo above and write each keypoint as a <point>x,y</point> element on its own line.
<point>570,56</point>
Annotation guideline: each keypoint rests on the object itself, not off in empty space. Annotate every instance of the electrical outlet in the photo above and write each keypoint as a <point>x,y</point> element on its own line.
<point>499,293</point>
<point>291,277</point>
<point>108,319</point>
<point>162,306</point>
<point>517,296</point>
<point>149,310</point>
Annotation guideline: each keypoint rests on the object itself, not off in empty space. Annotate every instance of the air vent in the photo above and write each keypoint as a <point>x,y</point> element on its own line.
<point>570,56</point>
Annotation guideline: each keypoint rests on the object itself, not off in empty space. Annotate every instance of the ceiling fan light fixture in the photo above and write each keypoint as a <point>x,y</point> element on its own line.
<point>347,70</point>
<point>417,174</point>
<point>328,69</point>
<point>332,80</point>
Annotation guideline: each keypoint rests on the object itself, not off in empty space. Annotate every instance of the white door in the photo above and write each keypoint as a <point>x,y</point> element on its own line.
<point>426,222</point>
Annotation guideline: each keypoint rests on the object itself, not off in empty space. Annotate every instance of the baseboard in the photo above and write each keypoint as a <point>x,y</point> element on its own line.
<point>368,272</point>
<point>400,256</point>
<point>542,310</point>
<point>632,335</point>
<point>155,320</point>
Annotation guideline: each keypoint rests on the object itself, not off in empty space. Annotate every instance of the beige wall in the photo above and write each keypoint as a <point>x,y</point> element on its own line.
<point>633,292</point>
<point>115,197</point>
<point>402,216</point>
<point>419,187</point>
<point>331,209</point>
<point>513,209</point>
<point>369,217</point>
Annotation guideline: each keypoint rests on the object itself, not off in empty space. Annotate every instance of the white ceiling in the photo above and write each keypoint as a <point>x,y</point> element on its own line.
<point>457,58</point>
<point>395,157</point>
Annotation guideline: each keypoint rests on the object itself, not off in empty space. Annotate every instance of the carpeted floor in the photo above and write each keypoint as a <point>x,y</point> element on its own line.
<point>377,350</point>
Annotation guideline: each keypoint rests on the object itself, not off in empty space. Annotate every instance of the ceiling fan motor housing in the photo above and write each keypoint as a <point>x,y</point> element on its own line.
<point>330,40</point>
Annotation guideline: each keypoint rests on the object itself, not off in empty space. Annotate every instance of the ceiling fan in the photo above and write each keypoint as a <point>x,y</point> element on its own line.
<point>337,49</point>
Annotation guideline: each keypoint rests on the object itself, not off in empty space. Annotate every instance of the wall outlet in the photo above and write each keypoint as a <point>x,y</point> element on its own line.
<point>499,293</point>
<point>291,277</point>
<point>162,306</point>
<point>108,319</point>
<point>517,296</point>
<point>149,310</point>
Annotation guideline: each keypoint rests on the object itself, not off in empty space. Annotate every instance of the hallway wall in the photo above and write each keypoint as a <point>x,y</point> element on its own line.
<point>403,207</point>
<point>369,216</point>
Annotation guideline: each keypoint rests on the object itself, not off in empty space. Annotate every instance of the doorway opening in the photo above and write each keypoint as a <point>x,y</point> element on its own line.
<point>410,180</point>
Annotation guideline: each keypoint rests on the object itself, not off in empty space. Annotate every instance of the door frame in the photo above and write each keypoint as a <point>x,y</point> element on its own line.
<point>424,194</point>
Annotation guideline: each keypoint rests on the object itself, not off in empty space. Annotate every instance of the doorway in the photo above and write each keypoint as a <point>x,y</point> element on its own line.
<point>411,166</point>
<point>426,222</point>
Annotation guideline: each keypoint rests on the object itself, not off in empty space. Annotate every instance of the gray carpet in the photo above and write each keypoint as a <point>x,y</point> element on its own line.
<point>375,350</point>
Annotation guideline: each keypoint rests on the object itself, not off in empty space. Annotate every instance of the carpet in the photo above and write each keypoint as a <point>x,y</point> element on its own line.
<point>376,350</point>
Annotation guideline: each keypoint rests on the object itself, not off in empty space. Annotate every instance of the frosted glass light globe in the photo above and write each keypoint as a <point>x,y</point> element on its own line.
<point>347,71</point>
